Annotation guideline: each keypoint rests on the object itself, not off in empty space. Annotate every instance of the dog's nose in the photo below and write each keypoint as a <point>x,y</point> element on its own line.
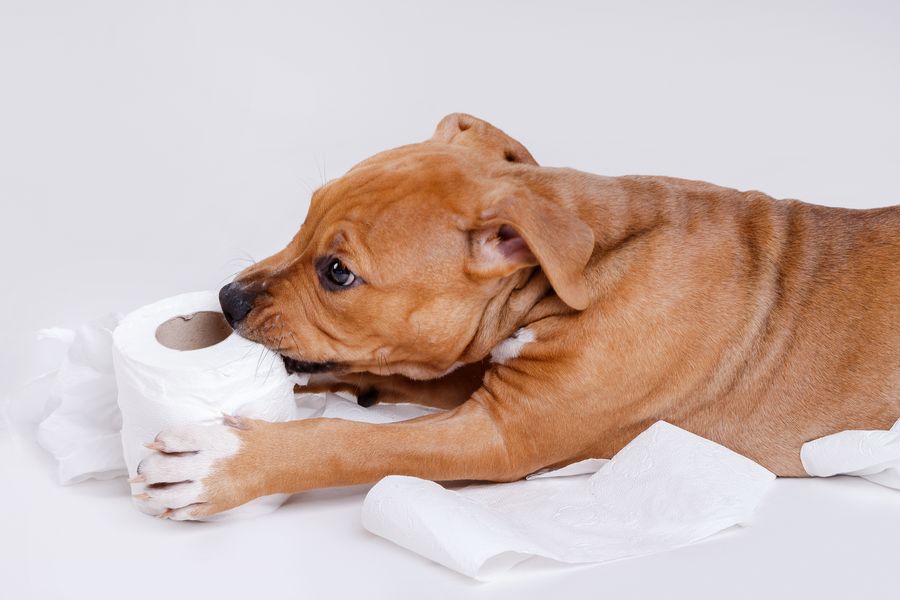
<point>236,301</point>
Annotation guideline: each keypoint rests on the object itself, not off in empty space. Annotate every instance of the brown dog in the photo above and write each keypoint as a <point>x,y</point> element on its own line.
<point>556,314</point>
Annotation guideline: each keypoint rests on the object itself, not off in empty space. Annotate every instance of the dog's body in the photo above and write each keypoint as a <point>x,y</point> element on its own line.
<point>555,314</point>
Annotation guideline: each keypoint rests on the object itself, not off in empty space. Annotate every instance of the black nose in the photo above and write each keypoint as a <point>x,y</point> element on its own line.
<point>236,301</point>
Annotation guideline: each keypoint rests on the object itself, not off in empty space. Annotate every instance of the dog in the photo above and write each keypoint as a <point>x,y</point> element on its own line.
<point>554,315</point>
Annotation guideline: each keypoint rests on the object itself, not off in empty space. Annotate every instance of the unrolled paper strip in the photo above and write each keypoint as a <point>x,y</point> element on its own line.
<point>872,455</point>
<point>161,387</point>
<point>666,488</point>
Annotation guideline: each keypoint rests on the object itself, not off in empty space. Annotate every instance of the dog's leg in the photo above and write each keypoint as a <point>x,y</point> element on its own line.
<point>449,391</point>
<point>201,470</point>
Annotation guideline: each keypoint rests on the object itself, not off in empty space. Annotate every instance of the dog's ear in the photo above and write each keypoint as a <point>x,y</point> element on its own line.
<point>523,230</point>
<point>466,130</point>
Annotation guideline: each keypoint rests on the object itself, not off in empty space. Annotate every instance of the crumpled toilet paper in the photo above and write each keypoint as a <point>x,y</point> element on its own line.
<point>665,489</point>
<point>872,455</point>
<point>82,431</point>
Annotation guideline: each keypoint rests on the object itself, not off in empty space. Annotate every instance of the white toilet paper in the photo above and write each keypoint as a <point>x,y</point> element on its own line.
<point>161,387</point>
<point>82,431</point>
<point>665,489</point>
<point>873,455</point>
<point>582,467</point>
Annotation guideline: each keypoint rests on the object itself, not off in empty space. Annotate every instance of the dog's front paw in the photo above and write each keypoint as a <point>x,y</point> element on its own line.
<point>197,471</point>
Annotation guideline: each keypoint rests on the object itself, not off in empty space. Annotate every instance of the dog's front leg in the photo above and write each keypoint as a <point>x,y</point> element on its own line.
<point>198,471</point>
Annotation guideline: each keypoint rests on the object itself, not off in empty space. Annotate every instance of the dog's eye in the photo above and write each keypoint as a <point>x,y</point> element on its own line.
<point>334,275</point>
<point>339,274</point>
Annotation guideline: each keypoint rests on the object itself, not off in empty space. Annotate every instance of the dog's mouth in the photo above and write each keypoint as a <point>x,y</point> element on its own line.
<point>305,367</point>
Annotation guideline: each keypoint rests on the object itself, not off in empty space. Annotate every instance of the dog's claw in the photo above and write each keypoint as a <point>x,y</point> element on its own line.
<point>137,479</point>
<point>155,445</point>
<point>141,496</point>
<point>166,513</point>
<point>233,421</point>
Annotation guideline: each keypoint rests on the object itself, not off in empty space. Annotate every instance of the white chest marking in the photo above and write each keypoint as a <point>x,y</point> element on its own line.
<point>512,346</point>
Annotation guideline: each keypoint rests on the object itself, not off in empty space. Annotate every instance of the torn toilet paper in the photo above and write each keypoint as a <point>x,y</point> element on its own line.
<point>666,488</point>
<point>872,455</point>
<point>82,431</point>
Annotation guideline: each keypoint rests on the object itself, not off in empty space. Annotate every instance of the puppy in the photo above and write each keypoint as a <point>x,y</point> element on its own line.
<point>555,314</point>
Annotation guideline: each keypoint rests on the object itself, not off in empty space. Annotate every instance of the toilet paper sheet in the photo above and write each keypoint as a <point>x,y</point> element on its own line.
<point>83,428</point>
<point>665,489</point>
<point>872,455</point>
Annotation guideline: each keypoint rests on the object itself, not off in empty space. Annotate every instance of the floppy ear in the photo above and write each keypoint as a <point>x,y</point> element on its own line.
<point>466,130</point>
<point>525,230</point>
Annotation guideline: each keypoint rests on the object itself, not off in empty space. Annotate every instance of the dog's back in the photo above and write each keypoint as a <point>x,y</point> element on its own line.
<point>847,309</point>
<point>815,293</point>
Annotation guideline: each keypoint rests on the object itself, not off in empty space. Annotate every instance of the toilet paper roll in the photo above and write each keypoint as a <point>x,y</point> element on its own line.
<point>177,362</point>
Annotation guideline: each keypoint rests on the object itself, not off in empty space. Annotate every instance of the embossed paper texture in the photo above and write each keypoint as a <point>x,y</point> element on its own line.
<point>665,489</point>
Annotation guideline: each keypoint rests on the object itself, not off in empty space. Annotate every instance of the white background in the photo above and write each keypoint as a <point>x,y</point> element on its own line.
<point>149,148</point>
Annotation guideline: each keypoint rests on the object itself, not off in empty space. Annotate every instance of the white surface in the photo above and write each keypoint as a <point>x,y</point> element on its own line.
<point>665,489</point>
<point>146,147</point>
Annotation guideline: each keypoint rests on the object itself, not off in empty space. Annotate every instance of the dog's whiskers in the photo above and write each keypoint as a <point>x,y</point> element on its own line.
<point>319,171</point>
<point>382,363</point>
<point>262,350</point>
<point>293,339</point>
<point>275,346</point>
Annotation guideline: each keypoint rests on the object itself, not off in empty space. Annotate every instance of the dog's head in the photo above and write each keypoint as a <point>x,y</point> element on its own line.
<point>398,262</point>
